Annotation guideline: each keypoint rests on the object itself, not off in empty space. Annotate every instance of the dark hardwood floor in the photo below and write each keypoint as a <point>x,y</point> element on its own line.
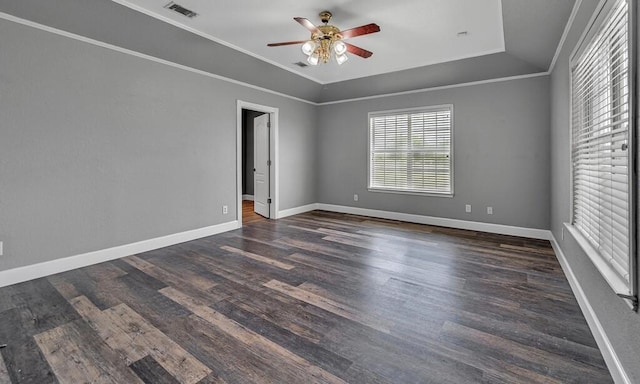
<point>314,298</point>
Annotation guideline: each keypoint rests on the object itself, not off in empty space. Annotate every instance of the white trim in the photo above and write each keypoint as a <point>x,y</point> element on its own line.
<point>567,28</point>
<point>239,165</point>
<point>587,31</point>
<point>503,44</point>
<point>247,197</point>
<point>608,353</point>
<point>297,210</point>
<point>469,84</point>
<point>30,272</point>
<point>410,192</point>
<point>144,56</point>
<point>533,233</point>
<point>274,173</point>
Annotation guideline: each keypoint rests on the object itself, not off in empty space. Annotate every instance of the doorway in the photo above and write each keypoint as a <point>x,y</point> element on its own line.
<point>257,127</point>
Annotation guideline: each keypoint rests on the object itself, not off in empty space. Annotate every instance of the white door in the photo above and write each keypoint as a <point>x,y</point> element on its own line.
<point>261,165</point>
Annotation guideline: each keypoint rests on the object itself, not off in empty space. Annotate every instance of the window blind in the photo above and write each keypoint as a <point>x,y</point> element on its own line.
<point>410,150</point>
<point>600,139</point>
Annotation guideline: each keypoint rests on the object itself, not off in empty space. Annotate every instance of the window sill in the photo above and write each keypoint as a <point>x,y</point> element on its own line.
<point>617,283</point>
<point>416,193</point>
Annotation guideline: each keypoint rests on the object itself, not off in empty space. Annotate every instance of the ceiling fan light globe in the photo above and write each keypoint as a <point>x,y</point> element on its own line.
<point>339,48</point>
<point>308,47</point>
<point>313,58</point>
<point>341,58</point>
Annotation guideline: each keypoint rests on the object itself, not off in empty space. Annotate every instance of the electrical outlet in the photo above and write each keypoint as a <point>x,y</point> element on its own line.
<point>225,209</point>
<point>355,197</point>
<point>467,208</point>
<point>489,210</point>
<point>1,249</point>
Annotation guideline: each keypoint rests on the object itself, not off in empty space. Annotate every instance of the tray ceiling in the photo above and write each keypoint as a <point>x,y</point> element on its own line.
<point>414,34</point>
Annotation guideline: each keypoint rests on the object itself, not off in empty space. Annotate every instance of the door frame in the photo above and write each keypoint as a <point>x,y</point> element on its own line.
<point>273,154</point>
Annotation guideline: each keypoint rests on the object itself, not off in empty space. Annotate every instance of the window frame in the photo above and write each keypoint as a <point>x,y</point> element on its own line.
<point>370,151</point>
<point>617,283</point>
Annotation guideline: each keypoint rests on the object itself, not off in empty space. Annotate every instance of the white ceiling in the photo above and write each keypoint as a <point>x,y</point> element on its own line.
<point>414,33</point>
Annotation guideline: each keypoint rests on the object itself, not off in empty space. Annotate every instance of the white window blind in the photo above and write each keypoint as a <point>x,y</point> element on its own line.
<point>410,150</point>
<point>600,139</point>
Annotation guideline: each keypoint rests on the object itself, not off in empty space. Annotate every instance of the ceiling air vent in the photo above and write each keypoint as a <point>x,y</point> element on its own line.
<point>301,64</point>
<point>181,10</point>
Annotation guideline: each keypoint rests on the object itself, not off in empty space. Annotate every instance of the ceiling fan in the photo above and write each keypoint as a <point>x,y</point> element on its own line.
<point>327,38</point>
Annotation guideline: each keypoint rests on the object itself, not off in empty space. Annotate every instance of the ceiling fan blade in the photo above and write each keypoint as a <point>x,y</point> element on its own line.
<point>307,24</point>
<point>286,43</point>
<point>358,51</point>
<point>362,30</point>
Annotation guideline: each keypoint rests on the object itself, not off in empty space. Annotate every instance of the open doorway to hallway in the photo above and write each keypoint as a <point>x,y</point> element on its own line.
<point>257,130</point>
<point>249,215</point>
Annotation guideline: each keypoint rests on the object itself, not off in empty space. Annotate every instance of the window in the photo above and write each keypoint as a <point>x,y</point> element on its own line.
<point>410,151</point>
<point>600,80</point>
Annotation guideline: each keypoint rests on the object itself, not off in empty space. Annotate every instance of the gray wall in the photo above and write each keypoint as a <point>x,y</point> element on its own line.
<point>621,325</point>
<point>100,148</point>
<point>501,153</point>
<point>247,150</point>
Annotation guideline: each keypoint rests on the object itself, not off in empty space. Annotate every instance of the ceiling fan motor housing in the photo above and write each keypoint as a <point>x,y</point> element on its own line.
<point>325,16</point>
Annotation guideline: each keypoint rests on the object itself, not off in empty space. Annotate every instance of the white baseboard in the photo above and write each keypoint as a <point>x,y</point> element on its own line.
<point>608,353</point>
<point>441,221</point>
<point>247,197</point>
<point>30,272</point>
<point>297,210</point>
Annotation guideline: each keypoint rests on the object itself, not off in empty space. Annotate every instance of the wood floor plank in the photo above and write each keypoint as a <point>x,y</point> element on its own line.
<point>77,358</point>
<point>265,249</point>
<point>300,346</point>
<point>398,360</point>
<point>400,239</point>
<point>41,304</point>
<point>171,278</point>
<point>127,332</point>
<point>330,306</point>
<point>180,363</point>
<point>37,307</point>
<point>249,337</point>
<point>78,282</point>
<point>22,357</point>
<point>210,379</point>
<point>65,288</point>
<point>4,374</point>
<point>262,259</point>
<point>429,273</point>
<point>6,302</point>
<point>293,316</point>
<point>232,360</point>
<point>373,246</point>
<point>151,372</point>
<point>548,364</point>
<point>104,271</point>
<point>109,331</point>
<point>527,336</point>
<point>196,284</point>
<point>528,249</point>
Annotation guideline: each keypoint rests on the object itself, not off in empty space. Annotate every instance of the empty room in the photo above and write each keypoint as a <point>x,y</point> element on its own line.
<point>422,191</point>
